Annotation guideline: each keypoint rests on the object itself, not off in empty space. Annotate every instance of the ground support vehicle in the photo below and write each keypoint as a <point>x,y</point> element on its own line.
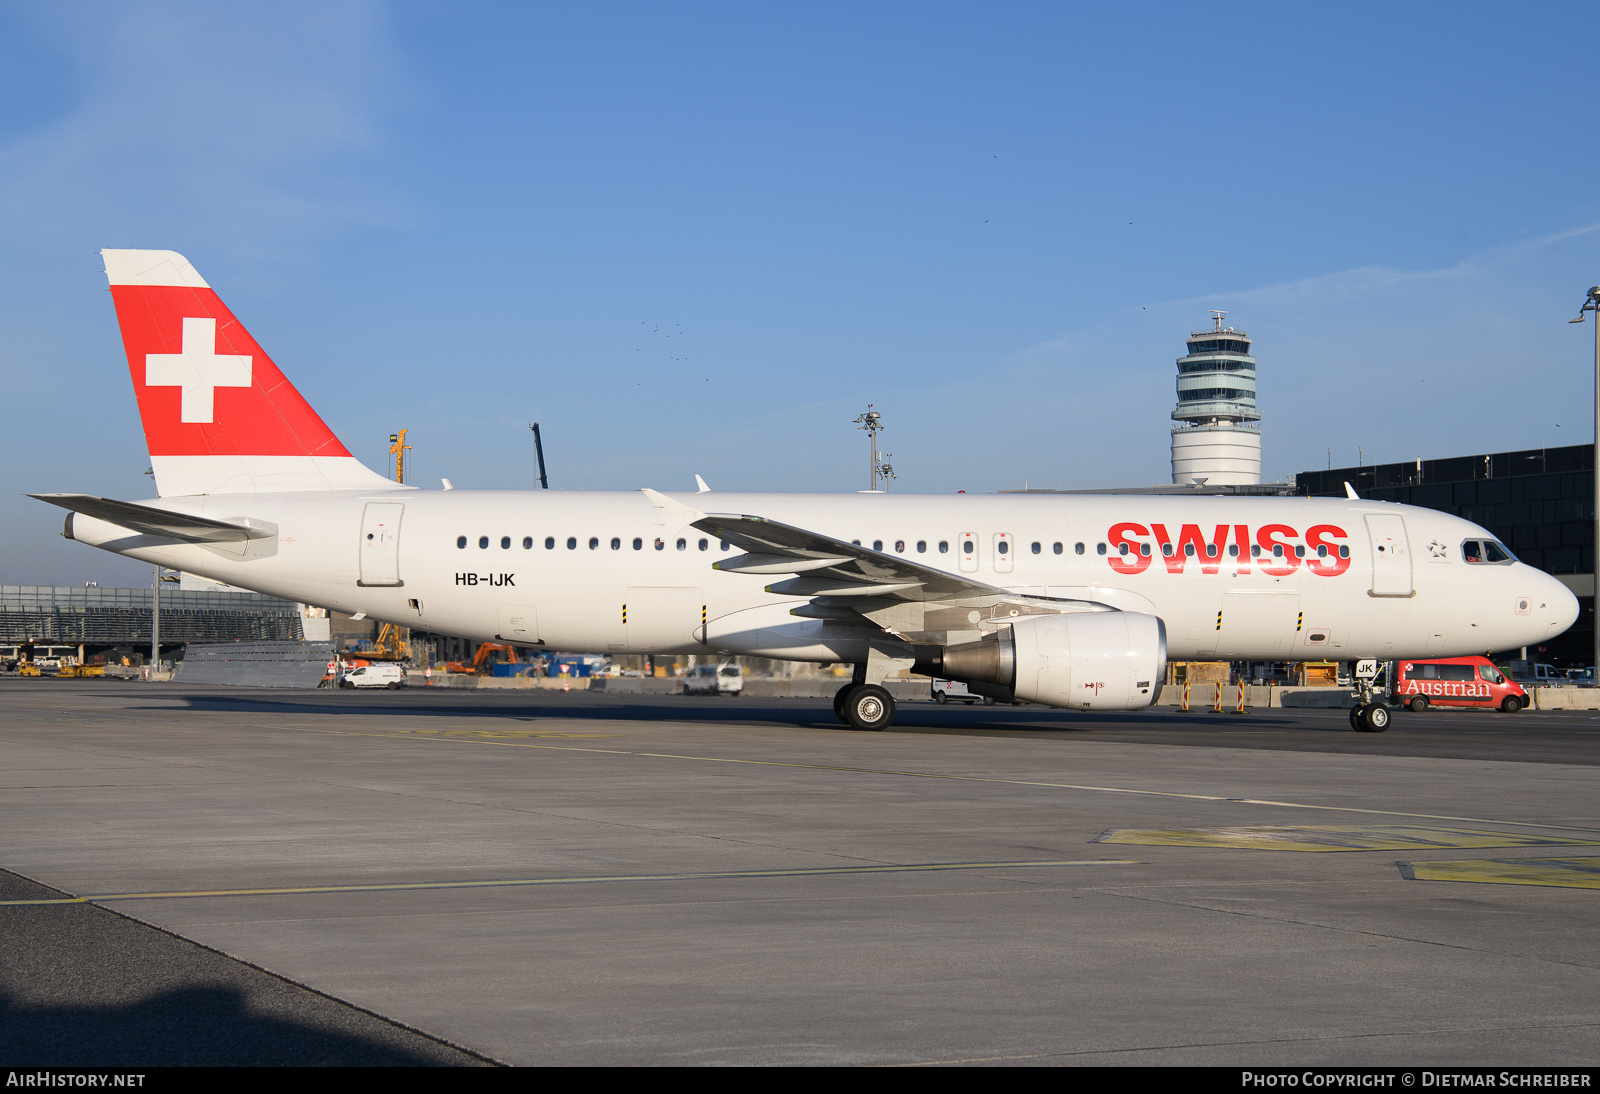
<point>377,675</point>
<point>714,680</point>
<point>1456,682</point>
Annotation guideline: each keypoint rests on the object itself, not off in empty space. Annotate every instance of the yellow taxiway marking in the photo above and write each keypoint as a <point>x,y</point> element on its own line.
<point>1565,873</point>
<point>502,883</point>
<point>1331,837</point>
<point>441,737</point>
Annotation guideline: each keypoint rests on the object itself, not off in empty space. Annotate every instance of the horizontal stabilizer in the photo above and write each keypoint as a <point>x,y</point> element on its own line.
<point>161,522</point>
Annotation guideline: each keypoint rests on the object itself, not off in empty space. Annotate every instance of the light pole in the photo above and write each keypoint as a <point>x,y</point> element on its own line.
<point>1591,303</point>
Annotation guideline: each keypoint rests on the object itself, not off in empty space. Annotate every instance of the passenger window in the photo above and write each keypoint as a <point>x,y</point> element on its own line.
<point>1255,550</point>
<point>703,545</point>
<point>1144,549</point>
<point>1233,550</point>
<point>1036,547</point>
<point>461,541</point>
<point>1166,549</point>
<point>922,546</point>
<point>616,544</point>
<point>1322,551</point>
<point>549,543</point>
<point>594,542</point>
<point>682,543</point>
<point>724,545</point>
<point>966,547</point>
<point>1004,547</point>
<point>899,546</point>
<point>661,545</point>
<point>1277,550</point>
<point>1188,549</point>
<point>505,543</point>
<point>1344,551</point>
<point>1077,548</point>
<point>1299,550</point>
<point>638,544</point>
<point>572,543</point>
<point>527,543</point>
<point>483,543</point>
<point>1211,550</point>
<point>944,546</point>
<point>877,545</point>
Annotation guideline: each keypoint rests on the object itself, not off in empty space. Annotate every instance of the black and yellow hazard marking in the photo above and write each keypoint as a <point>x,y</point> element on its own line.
<point>624,615</point>
<point>1564,873</point>
<point>506,883</point>
<point>1219,621</point>
<point>1360,837</point>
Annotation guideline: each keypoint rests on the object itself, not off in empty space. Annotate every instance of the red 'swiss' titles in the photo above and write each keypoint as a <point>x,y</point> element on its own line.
<point>1274,549</point>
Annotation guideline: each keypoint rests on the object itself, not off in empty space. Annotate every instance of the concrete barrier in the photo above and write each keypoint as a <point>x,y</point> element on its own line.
<point>1565,698</point>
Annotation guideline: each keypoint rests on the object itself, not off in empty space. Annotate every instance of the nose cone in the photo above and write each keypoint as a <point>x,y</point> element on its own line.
<point>1560,605</point>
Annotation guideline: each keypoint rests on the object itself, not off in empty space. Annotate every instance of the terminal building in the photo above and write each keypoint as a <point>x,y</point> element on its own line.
<point>103,620</point>
<point>1218,441</point>
<point>1539,502</point>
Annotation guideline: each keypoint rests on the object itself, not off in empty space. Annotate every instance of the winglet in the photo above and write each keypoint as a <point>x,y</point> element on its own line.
<point>1350,492</point>
<point>701,483</point>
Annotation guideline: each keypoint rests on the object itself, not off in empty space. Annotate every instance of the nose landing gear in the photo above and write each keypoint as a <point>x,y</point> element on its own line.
<point>1369,717</point>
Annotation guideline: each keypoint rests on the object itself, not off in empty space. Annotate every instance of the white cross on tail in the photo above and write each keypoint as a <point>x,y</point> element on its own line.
<point>199,370</point>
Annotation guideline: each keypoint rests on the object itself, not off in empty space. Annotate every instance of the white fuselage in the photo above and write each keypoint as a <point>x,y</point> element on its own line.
<point>1330,594</point>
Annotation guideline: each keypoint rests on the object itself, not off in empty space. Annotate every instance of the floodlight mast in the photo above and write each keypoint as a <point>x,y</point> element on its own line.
<point>1591,303</point>
<point>879,468</point>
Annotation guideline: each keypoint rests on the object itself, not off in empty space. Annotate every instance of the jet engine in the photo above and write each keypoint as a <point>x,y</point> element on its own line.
<point>1088,661</point>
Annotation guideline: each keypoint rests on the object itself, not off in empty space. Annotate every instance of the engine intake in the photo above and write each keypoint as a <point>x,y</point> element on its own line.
<point>1089,661</point>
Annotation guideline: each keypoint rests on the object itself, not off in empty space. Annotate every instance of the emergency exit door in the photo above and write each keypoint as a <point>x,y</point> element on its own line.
<point>380,544</point>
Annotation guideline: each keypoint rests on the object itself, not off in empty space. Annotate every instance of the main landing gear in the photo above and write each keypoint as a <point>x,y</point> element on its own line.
<point>864,706</point>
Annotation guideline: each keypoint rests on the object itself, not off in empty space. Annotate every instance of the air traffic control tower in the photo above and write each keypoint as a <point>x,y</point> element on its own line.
<point>1217,442</point>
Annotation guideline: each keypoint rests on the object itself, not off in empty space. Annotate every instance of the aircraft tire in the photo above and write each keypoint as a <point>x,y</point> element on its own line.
<point>869,707</point>
<point>838,702</point>
<point>1355,716</point>
<point>1418,703</point>
<point>1375,719</point>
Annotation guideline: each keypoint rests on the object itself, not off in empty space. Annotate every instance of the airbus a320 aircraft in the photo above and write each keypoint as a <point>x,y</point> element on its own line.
<point>1069,601</point>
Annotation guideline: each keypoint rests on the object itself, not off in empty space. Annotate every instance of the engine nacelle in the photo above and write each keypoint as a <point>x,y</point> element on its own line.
<point>1087,661</point>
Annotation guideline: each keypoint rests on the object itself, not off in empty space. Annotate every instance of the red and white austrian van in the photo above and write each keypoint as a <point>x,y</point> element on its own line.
<point>1456,682</point>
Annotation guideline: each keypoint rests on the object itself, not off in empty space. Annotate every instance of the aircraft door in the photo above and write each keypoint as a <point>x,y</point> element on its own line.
<point>967,546</point>
<point>380,544</point>
<point>1391,555</point>
<point>660,618</point>
<point>519,624</point>
<point>1258,626</point>
<point>1002,552</point>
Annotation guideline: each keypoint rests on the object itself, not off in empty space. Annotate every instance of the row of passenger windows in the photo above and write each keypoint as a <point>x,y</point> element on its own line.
<point>594,543</point>
<point>968,547</point>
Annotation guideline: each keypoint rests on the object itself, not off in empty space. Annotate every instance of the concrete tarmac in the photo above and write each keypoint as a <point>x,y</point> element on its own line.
<point>539,878</point>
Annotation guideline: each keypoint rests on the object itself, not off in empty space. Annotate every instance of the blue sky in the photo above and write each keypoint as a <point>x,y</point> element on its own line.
<point>701,237</point>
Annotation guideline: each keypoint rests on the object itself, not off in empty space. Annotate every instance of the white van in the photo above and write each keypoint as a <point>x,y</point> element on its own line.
<point>375,676</point>
<point>714,680</point>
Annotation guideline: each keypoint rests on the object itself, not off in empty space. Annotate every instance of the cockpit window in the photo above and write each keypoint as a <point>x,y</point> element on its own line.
<point>1485,551</point>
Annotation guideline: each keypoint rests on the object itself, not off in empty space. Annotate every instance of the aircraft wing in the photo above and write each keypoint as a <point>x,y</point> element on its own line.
<point>159,522</point>
<point>828,567</point>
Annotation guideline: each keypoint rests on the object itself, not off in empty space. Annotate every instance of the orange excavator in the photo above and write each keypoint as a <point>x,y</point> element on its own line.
<point>484,660</point>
